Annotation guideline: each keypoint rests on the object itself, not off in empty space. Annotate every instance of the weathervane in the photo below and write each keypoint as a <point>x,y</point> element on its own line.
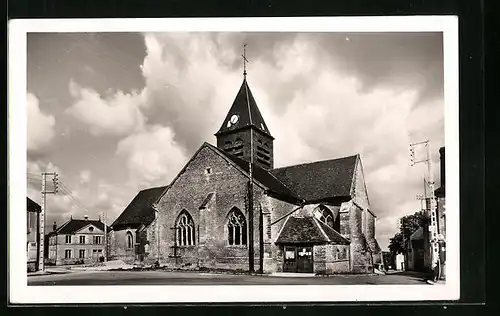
<point>245,60</point>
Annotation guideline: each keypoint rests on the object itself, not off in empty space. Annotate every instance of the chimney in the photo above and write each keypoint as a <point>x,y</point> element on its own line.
<point>54,226</point>
<point>441,154</point>
<point>86,217</point>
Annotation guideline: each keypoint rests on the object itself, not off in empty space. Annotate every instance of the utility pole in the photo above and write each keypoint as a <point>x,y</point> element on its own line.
<point>429,196</point>
<point>55,179</point>
<point>105,236</point>
<point>251,254</point>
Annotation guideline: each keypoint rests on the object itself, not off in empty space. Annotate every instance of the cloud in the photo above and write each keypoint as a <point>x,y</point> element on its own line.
<point>85,176</point>
<point>153,157</point>
<point>184,86</point>
<point>40,126</point>
<point>116,115</point>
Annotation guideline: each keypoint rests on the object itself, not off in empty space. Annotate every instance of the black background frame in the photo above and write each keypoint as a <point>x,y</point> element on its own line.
<point>471,123</point>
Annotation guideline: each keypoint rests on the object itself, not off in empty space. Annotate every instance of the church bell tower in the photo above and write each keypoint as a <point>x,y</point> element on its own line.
<point>244,132</point>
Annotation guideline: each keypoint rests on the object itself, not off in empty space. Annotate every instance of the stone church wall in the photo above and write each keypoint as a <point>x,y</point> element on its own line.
<point>360,256</point>
<point>331,259</point>
<point>370,238</point>
<point>187,193</point>
<point>118,246</point>
<point>345,229</point>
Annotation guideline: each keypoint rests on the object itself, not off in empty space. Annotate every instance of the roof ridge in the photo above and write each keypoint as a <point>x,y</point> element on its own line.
<point>223,153</point>
<point>315,162</point>
<point>315,220</point>
<point>64,224</point>
<point>248,101</point>
<point>282,227</point>
<point>152,188</point>
<point>333,230</point>
<point>272,175</point>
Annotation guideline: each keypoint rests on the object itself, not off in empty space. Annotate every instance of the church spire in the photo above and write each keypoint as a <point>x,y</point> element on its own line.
<point>244,132</point>
<point>244,113</point>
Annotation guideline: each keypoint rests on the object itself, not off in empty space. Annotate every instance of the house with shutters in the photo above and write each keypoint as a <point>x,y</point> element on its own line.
<point>230,208</point>
<point>77,241</point>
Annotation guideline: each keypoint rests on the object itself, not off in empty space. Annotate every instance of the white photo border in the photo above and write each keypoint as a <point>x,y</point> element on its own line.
<point>21,293</point>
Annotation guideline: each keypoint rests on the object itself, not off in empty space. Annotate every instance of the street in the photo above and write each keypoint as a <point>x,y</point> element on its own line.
<point>197,278</point>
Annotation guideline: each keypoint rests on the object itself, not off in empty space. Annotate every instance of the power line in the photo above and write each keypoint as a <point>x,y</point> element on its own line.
<point>64,188</point>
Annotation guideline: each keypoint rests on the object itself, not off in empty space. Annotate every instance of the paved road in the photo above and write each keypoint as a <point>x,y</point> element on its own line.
<point>194,278</point>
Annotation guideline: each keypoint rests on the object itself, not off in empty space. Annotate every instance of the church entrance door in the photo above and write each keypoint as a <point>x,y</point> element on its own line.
<point>305,260</point>
<point>298,259</point>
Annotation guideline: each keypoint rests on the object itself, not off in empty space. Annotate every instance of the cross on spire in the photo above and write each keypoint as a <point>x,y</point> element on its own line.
<point>245,60</point>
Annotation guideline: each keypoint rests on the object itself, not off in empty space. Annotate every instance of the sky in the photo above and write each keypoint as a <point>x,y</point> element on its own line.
<point>115,113</point>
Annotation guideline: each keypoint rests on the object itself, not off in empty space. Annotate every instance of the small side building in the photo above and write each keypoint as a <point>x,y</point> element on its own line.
<point>33,236</point>
<point>440,195</point>
<point>134,230</point>
<point>77,241</point>
<point>418,255</point>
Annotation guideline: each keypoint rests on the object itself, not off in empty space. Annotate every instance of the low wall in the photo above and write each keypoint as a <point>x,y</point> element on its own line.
<point>331,259</point>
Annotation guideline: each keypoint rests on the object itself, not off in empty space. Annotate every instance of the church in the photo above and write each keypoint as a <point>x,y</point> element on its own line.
<point>230,209</point>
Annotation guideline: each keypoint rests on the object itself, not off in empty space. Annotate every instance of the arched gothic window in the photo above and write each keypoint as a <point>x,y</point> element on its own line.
<point>130,240</point>
<point>324,215</point>
<point>236,228</point>
<point>185,229</point>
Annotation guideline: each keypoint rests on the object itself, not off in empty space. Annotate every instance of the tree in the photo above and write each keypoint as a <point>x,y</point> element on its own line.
<point>396,244</point>
<point>408,225</point>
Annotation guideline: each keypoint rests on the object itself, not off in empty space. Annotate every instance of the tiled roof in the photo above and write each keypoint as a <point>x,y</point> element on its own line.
<point>140,210</point>
<point>418,234</point>
<point>301,230</point>
<point>309,230</point>
<point>245,107</point>
<point>333,235</point>
<point>75,225</point>
<point>320,180</point>
<point>262,176</point>
<point>32,206</point>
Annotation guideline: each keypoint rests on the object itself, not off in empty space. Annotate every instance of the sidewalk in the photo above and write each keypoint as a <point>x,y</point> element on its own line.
<point>48,271</point>
<point>293,275</point>
<point>106,266</point>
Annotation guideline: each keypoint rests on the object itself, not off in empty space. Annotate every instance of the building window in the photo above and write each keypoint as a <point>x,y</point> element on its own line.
<point>68,239</point>
<point>81,254</point>
<point>237,228</point>
<point>130,240</point>
<point>82,239</point>
<point>185,229</point>
<point>324,215</point>
<point>67,254</point>
<point>97,240</point>
<point>91,229</point>
<point>290,253</point>
<point>341,254</point>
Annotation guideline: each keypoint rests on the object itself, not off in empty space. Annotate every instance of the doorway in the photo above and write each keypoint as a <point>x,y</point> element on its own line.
<point>298,259</point>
